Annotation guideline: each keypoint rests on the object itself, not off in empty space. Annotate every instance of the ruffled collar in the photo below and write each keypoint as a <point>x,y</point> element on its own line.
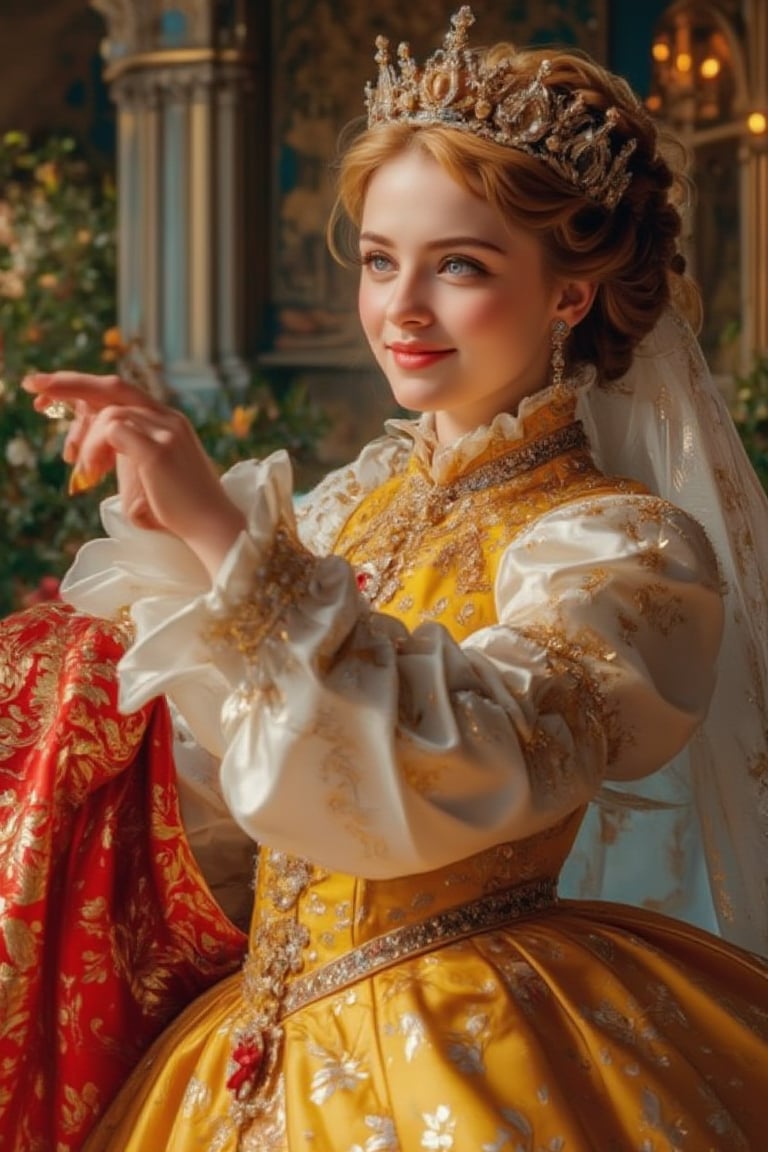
<point>541,413</point>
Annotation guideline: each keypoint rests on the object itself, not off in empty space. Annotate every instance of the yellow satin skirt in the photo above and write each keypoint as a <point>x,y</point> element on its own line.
<point>589,1027</point>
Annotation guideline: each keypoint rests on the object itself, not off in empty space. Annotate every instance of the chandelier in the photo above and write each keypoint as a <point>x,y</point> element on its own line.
<point>693,82</point>
<point>697,76</point>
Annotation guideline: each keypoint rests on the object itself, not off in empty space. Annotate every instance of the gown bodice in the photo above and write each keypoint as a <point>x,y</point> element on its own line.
<point>428,549</point>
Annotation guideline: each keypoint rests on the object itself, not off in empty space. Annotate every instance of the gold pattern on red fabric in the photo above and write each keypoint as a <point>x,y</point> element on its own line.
<point>107,929</point>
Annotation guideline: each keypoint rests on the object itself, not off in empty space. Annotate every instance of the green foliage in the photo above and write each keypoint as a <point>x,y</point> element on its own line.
<point>57,299</point>
<point>750,415</point>
<point>57,310</point>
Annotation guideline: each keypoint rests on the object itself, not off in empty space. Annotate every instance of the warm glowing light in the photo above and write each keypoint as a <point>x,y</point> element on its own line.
<point>661,51</point>
<point>757,122</point>
<point>653,103</point>
<point>683,62</point>
<point>710,67</point>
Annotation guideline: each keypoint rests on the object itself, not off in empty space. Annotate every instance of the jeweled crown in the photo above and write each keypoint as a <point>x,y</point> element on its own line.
<point>456,88</point>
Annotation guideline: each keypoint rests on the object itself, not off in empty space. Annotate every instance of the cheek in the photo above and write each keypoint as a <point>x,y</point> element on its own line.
<point>509,318</point>
<point>491,316</point>
<point>369,307</point>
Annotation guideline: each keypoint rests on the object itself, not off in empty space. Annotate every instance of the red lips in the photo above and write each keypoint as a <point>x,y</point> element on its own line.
<point>410,355</point>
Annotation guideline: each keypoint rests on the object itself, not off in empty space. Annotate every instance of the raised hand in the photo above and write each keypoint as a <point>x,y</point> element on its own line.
<point>166,480</point>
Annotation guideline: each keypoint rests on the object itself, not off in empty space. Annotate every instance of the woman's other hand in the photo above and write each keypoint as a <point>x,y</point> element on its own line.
<point>166,480</point>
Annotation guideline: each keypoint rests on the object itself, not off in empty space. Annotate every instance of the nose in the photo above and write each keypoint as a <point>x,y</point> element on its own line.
<point>409,303</point>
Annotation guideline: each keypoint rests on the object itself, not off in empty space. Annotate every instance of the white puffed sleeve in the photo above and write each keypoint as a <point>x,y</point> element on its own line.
<point>346,739</point>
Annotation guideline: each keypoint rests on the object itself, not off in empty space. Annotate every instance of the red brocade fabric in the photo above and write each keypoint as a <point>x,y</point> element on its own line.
<point>107,928</point>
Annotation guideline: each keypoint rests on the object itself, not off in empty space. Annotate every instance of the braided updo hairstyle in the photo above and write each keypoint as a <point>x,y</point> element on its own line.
<point>630,252</point>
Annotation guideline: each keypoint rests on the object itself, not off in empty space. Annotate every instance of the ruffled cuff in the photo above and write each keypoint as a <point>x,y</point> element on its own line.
<point>174,608</point>
<point>112,573</point>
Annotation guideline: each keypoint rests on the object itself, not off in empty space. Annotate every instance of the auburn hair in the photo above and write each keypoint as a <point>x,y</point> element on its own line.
<point>630,252</point>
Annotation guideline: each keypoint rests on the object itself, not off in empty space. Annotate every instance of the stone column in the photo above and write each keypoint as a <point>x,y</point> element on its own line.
<point>192,180</point>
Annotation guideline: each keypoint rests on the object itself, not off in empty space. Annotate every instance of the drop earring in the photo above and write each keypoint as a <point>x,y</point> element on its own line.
<point>559,334</point>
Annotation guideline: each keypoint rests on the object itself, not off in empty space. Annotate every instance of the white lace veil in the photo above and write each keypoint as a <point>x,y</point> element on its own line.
<point>667,425</point>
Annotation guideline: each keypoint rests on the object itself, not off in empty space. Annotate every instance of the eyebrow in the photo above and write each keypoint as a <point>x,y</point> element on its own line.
<point>445,242</point>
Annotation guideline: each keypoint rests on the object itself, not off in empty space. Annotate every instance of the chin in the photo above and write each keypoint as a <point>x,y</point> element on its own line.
<point>416,399</point>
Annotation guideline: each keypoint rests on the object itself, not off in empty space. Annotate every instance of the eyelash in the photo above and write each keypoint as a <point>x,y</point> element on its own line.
<point>475,269</point>
<point>367,260</point>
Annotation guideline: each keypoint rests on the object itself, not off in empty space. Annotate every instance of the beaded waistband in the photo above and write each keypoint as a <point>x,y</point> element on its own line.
<point>380,952</point>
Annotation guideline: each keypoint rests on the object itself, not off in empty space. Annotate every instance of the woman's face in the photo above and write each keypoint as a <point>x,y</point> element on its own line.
<point>455,304</point>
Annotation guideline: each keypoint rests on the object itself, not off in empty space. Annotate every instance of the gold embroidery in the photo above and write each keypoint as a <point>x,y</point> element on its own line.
<point>652,558</point>
<point>423,779</point>
<point>596,580</point>
<point>77,948</point>
<point>757,766</point>
<point>417,544</point>
<point>342,772</point>
<point>464,614</point>
<point>276,951</point>
<point>124,621</point>
<point>574,693</point>
<point>659,608</point>
<point>279,582</point>
<point>391,529</point>
<point>438,608</point>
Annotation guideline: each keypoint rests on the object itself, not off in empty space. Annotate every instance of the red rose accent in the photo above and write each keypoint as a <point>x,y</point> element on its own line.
<point>363,580</point>
<point>247,1057</point>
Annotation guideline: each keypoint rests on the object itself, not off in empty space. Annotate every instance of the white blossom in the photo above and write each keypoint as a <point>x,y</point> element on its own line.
<point>19,453</point>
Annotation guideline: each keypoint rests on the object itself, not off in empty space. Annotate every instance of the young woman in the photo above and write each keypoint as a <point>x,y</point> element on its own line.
<point>416,690</point>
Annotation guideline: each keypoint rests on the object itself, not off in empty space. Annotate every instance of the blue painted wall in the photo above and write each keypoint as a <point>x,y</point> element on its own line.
<point>630,29</point>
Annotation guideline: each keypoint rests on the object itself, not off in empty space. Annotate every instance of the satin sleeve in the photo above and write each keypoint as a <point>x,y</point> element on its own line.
<point>377,751</point>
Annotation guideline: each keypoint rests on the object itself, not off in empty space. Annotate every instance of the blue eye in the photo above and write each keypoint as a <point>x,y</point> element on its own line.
<point>460,266</point>
<point>377,261</point>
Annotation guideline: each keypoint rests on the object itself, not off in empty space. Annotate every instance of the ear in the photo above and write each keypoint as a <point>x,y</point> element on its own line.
<point>575,301</point>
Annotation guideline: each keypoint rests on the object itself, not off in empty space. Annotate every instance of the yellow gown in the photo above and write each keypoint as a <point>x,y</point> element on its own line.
<point>464,1008</point>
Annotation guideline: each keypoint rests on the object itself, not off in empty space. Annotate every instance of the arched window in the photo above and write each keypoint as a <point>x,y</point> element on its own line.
<point>699,89</point>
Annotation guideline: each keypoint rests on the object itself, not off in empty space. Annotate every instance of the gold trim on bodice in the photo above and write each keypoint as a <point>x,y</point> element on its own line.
<point>273,988</point>
<point>428,548</point>
<point>481,915</point>
<point>517,461</point>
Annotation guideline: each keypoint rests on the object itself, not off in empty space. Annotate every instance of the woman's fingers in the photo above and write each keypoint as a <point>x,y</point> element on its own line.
<point>162,462</point>
<point>86,446</point>
<point>165,478</point>
<point>96,392</point>
<point>80,423</point>
<point>133,498</point>
<point>180,490</point>
<point>94,442</point>
<point>99,440</point>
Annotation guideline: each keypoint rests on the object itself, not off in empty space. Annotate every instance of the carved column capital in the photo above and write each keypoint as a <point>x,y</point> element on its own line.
<point>148,79</point>
<point>136,28</point>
